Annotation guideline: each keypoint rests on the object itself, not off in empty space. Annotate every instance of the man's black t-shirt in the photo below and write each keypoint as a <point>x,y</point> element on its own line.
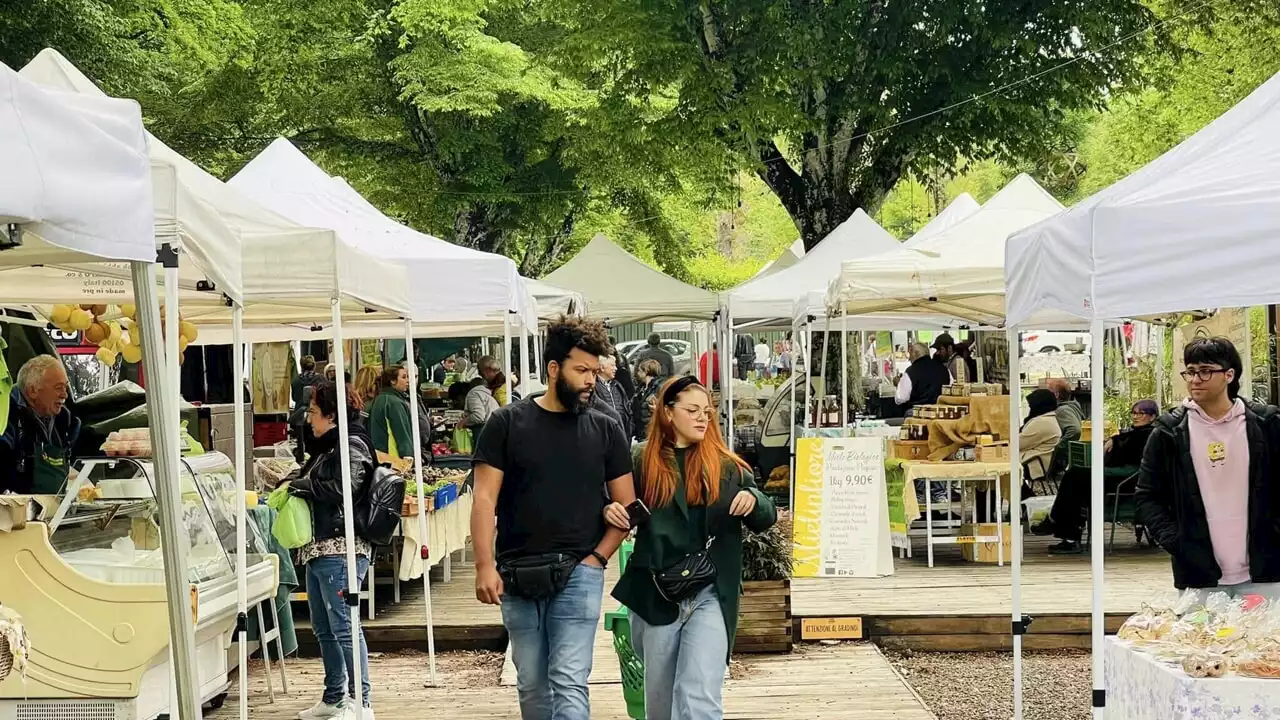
<point>555,467</point>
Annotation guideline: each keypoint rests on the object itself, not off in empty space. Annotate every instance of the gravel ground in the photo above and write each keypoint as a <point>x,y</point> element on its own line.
<point>979,686</point>
<point>470,669</point>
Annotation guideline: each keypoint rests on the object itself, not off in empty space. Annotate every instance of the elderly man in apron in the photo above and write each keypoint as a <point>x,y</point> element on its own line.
<point>36,447</point>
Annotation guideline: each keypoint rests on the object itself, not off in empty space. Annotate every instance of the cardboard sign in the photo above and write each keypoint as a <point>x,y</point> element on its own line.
<point>841,520</point>
<point>1231,323</point>
<point>845,628</point>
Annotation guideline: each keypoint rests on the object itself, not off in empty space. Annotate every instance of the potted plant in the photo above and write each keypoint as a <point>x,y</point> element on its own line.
<point>764,615</point>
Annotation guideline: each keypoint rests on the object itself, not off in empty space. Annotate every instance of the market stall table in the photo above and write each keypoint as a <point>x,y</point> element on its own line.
<point>958,473</point>
<point>1139,687</point>
<point>448,528</point>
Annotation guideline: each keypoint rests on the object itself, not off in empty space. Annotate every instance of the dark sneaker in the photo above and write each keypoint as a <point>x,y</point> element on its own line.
<point>1066,547</point>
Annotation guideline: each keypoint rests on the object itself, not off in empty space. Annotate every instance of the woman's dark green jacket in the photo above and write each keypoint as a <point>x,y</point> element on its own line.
<point>675,531</point>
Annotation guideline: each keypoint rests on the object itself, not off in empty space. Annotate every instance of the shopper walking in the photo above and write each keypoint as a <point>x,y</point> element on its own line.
<point>684,579</point>
<point>653,351</point>
<point>390,424</point>
<point>1207,490</point>
<point>649,379</point>
<point>302,388</point>
<point>542,468</point>
<point>609,396</point>
<point>325,557</point>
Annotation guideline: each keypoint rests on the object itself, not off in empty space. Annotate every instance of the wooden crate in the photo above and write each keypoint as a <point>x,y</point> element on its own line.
<point>764,617</point>
<point>909,449</point>
<point>995,452</point>
<point>985,552</point>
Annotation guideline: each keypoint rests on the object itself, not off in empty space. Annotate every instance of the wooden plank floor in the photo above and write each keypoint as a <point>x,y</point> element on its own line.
<point>1051,585</point>
<point>846,681</point>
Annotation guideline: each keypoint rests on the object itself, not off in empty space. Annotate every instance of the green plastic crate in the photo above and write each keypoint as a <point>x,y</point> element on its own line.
<point>618,622</point>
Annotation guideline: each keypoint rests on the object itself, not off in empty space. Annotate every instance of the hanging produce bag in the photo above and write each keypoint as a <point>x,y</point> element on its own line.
<point>292,527</point>
<point>462,441</point>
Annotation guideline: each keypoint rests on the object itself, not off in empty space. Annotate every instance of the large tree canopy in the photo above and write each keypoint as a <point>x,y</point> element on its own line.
<point>834,102</point>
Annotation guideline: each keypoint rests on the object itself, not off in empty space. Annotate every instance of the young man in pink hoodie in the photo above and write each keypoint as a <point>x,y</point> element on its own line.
<point>1207,490</point>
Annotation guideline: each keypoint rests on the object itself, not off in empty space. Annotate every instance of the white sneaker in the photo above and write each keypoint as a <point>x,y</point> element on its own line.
<point>351,711</point>
<point>321,711</point>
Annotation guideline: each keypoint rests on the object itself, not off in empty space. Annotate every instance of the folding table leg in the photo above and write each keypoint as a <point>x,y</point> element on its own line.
<point>275,618</point>
<point>266,652</point>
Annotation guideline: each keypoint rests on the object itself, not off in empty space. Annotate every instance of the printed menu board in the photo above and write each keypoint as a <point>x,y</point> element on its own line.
<point>841,509</point>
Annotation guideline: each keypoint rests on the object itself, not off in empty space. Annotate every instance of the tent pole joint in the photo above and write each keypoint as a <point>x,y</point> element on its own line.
<point>167,256</point>
<point>1099,698</point>
<point>12,237</point>
<point>1020,627</point>
<point>242,622</point>
<point>352,598</point>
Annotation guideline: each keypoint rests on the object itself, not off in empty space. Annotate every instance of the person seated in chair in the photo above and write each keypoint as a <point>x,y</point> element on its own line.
<point>1123,455</point>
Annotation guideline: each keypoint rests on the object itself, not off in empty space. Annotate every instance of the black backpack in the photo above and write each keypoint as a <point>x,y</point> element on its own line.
<point>378,515</point>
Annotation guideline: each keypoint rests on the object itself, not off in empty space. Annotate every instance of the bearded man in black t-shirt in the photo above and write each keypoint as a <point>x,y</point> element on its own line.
<point>544,468</point>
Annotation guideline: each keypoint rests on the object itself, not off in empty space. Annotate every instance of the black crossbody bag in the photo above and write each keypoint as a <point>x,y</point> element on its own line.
<point>691,573</point>
<point>537,577</point>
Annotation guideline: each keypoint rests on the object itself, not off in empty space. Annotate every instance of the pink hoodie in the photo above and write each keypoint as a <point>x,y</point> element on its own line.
<point>1220,455</point>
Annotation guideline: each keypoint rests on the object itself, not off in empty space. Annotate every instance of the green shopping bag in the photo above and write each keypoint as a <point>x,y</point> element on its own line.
<point>292,528</point>
<point>462,441</point>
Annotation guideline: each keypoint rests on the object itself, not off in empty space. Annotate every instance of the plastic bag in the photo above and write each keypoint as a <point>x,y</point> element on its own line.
<point>292,528</point>
<point>462,441</point>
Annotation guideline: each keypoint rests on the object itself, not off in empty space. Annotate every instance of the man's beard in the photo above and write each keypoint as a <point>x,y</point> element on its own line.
<point>570,397</point>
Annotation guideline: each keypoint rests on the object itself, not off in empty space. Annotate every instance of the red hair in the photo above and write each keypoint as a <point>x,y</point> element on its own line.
<point>702,463</point>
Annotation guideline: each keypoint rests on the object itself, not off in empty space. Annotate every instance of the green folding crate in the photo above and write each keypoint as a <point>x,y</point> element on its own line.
<point>618,622</point>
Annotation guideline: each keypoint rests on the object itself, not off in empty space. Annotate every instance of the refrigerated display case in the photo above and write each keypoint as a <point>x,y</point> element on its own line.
<point>88,580</point>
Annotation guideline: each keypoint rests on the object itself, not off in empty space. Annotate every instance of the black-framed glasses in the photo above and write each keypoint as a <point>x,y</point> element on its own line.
<point>1202,374</point>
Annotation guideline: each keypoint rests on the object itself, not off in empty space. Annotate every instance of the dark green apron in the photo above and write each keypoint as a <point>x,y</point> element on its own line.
<point>50,468</point>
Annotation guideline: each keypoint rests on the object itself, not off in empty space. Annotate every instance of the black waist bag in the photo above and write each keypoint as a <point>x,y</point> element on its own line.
<point>687,576</point>
<point>537,577</point>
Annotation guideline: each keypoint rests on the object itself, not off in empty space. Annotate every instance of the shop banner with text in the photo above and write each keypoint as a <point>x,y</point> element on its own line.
<point>842,512</point>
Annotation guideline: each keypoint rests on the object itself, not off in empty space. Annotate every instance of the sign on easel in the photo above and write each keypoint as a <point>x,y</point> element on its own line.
<point>841,520</point>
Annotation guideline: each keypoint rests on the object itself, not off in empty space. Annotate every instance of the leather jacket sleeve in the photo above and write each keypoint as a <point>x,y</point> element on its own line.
<point>1154,502</point>
<point>324,483</point>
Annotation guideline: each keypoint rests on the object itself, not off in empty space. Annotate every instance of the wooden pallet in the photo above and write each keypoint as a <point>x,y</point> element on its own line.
<point>764,617</point>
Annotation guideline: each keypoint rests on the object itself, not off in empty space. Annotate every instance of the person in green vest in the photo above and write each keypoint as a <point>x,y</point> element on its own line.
<point>700,496</point>
<point>389,420</point>
<point>36,449</point>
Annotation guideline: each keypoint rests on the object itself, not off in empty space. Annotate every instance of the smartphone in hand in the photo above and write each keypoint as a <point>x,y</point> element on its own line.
<point>638,513</point>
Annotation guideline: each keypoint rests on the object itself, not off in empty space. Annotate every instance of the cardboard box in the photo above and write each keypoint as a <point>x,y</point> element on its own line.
<point>985,552</point>
<point>910,449</point>
<point>993,453</point>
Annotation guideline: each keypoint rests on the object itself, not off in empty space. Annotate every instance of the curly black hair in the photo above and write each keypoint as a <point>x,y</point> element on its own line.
<point>568,333</point>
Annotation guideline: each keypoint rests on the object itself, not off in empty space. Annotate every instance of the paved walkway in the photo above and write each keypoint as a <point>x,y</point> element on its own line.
<point>841,682</point>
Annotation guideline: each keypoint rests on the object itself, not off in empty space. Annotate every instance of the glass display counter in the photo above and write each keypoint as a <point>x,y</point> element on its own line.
<point>89,583</point>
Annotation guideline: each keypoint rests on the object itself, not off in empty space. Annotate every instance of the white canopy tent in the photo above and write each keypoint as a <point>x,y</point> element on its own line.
<point>621,287</point>
<point>958,210</point>
<point>1194,228</point>
<point>957,272</point>
<point>773,296</point>
<point>77,189</point>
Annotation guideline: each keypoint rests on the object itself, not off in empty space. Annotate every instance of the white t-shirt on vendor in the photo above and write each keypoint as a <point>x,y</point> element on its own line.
<point>762,354</point>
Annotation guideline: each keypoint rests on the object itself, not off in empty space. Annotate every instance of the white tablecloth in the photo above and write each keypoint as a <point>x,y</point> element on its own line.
<point>448,529</point>
<point>1142,688</point>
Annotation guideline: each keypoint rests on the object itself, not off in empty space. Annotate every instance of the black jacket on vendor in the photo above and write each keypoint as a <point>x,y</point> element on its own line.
<point>320,480</point>
<point>928,376</point>
<point>19,442</point>
<point>1170,506</point>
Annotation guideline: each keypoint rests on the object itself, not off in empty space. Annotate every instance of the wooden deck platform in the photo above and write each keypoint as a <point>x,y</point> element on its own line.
<point>954,605</point>
<point>846,681</point>
<point>957,605</point>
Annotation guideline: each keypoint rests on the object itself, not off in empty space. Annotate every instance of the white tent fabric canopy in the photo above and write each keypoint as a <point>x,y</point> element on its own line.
<point>75,176</point>
<point>813,305</point>
<point>957,272</point>
<point>554,301</point>
<point>621,287</point>
<point>453,283</point>
<point>194,211</point>
<point>1168,238</point>
<point>958,210</point>
<point>773,295</point>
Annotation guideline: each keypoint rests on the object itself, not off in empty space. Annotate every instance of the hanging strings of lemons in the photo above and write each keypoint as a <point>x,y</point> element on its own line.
<point>117,337</point>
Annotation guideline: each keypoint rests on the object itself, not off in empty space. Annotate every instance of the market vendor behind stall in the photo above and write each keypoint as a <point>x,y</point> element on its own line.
<point>36,448</point>
<point>390,424</point>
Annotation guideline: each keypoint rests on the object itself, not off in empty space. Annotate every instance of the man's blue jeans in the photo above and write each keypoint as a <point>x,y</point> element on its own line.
<point>684,662</point>
<point>552,644</point>
<point>331,621</point>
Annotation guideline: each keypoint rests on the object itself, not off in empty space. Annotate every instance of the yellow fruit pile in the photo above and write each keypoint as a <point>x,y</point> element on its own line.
<point>119,337</point>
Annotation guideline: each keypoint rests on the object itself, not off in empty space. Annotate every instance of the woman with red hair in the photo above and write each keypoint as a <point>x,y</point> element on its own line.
<point>684,579</point>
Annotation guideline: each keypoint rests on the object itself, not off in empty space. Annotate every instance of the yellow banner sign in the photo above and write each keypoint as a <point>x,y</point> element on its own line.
<point>845,628</point>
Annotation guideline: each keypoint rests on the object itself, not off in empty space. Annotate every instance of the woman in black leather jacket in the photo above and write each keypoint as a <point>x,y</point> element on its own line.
<point>325,558</point>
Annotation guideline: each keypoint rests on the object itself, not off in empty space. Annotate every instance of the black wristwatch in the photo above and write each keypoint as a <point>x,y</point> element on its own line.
<point>604,561</point>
